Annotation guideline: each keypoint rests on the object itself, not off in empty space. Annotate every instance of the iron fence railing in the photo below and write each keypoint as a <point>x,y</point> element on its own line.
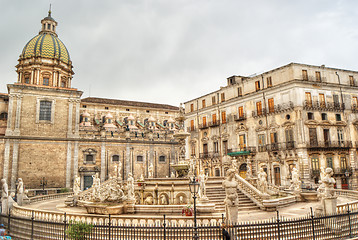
<point>339,226</point>
<point>208,155</point>
<point>238,117</point>
<point>323,106</point>
<point>329,144</point>
<point>214,123</point>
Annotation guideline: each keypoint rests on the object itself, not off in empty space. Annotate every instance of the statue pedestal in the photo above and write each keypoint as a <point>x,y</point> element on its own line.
<point>204,206</point>
<point>330,205</point>
<point>298,196</point>
<point>232,214</point>
<point>129,207</point>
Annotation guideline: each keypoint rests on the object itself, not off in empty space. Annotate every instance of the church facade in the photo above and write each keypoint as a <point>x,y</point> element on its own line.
<point>49,135</point>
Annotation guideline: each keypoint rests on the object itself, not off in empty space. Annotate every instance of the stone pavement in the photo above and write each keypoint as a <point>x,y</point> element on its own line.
<point>292,211</point>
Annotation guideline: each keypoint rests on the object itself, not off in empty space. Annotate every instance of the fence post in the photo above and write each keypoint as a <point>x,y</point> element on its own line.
<point>312,218</point>
<point>9,220</point>
<point>278,225</point>
<point>349,220</point>
<point>222,226</point>
<point>64,227</point>
<point>32,225</point>
<point>164,224</point>
<point>109,226</point>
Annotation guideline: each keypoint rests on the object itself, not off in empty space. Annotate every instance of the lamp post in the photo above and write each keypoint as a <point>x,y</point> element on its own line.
<point>347,177</point>
<point>194,189</point>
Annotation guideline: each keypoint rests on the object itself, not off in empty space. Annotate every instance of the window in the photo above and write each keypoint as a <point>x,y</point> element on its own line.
<point>326,137</point>
<point>45,81</point>
<point>261,139</point>
<point>3,116</point>
<point>274,141</point>
<point>343,162</point>
<point>213,100</point>
<point>310,116</point>
<point>216,147</point>
<point>271,105</point>
<point>45,110</point>
<point>89,158</point>
<point>304,75</point>
<point>192,107</point>
<point>214,118</point>
<point>351,80</point>
<point>63,84</point>
<point>193,150</point>
<point>329,160</point>
<point>241,112</point>
<point>161,159</point>
<point>84,106</point>
<point>259,108</point>
<point>191,125</point>
<point>289,138</point>
<point>322,101</point>
<point>315,163</point>
<point>139,158</point>
<point>27,80</point>
<point>166,112</point>
<point>324,116</point>
<point>338,117</point>
<point>223,117</point>
<point>318,76</point>
<point>257,85</point>
<point>204,121</point>
<point>308,99</point>
<point>336,101</point>
<point>340,136</point>
<point>313,136</point>
<point>269,81</point>
<point>147,111</point>
<point>127,109</point>
<point>239,91</point>
<point>242,141</point>
<point>355,102</point>
<point>106,108</point>
<point>115,158</point>
<point>48,26</point>
<point>222,97</point>
<point>225,147</point>
<point>203,103</point>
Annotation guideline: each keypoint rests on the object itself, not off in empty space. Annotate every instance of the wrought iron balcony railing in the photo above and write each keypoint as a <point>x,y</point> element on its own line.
<point>238,117</point>
<point>214,123</point>
<point>203,126</point>
<point>272,110</point>
<point>329,144</point>
<point>209,155</point>
<point>323,106</point>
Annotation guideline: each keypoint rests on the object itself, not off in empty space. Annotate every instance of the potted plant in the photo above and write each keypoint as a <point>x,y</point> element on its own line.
<point>187,210</point>
<point>78,230</point>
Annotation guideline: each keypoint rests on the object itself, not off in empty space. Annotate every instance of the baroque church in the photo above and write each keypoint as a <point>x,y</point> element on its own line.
<point>49,134</point>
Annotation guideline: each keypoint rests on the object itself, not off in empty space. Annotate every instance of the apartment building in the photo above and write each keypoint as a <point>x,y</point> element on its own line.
<point>295,115</point>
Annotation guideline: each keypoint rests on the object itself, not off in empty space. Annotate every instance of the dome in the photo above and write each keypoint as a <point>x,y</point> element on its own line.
<point>46,45</point>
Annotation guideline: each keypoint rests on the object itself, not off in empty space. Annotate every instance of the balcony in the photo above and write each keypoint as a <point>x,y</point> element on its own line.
<point>343,171</point>
<point>262,148</point>
<point>203,126</point>
<point>191,129</point>
<point>354,108</point>
<point>323,106</point>
<point>329,145</point>
<point>214,123</point>
<point>238,118</point>
<point>280,146</point>
<point>209,155</point>
<point>314,79</point>
<point>276,109</point>
<point>315,172</point>
<point>241,151</point>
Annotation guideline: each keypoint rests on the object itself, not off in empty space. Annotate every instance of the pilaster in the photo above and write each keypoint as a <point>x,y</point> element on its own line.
<point>68,165</point>
<point>6,159</point>
<point>18,115</point>
<point>9,115</point>
<point>15,154</point>
<point>69,123</point>
<point>75,160</point>
<point>103,161</point>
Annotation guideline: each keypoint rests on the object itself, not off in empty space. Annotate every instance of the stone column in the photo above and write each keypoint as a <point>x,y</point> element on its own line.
<point>6,159</point>
<point>75,160</point>
<point>68,164</point>
<point>103,162</point>
<point>128,161</point>
<point>20,77</point>
<point>77,123</point>
<point>9,115</point>
<point>15,154</point>
<point>18,115</point>
<point>38,77</point>
<point>32,81</point>
<point>70,110</point>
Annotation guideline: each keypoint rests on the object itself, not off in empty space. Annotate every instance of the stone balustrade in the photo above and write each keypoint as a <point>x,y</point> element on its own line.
<point>347,193</point>
<point>54,216</point>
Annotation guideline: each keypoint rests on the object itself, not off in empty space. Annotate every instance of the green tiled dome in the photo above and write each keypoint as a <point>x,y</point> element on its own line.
<point>46,45</point>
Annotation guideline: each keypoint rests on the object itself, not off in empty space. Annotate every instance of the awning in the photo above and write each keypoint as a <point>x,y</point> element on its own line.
<point>239,153</point>
<point>119,123</point>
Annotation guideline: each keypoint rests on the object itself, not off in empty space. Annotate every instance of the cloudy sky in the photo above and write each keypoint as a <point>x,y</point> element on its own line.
<point>170,51</point>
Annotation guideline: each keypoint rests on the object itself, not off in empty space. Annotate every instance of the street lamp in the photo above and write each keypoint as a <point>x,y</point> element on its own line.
<point>194,189</point>
<point>347,177</point>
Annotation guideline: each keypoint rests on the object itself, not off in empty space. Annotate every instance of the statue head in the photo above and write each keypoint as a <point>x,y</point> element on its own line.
<point>230,173</point>
<point>20,179</point>
<point>329,171</point>
<point>3,181</point>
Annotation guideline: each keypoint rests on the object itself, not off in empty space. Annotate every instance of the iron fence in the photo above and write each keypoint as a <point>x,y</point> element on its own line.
<point>310,227</point>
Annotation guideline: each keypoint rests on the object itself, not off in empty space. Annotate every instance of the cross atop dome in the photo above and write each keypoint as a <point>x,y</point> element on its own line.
<point>49,24</point>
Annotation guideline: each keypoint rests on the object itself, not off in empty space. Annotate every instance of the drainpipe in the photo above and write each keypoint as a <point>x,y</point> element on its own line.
<point>340,88</point>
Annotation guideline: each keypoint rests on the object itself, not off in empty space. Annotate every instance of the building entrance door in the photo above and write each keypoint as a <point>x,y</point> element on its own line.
<point>242,170</point>
<point>87,182</point>
<point>277,176</point>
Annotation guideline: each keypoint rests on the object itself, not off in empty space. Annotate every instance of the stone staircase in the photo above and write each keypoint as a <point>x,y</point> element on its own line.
<point>216,194</point>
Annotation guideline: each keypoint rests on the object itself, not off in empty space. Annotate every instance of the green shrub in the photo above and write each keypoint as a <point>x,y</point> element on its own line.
<point>78,230</point>
<point>64,190</point>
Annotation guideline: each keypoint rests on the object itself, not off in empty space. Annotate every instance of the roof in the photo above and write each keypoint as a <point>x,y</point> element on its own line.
<point>128,103</point>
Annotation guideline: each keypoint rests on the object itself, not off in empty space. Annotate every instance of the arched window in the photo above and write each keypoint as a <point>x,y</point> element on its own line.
<point>115,158</point>
<point>3,116</point>
<point>162,159</point>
